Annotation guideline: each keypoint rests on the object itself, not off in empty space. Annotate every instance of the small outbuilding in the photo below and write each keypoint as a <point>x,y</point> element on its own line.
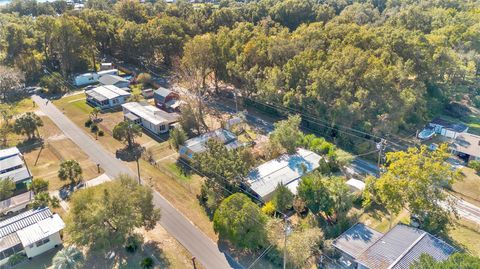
<point>198,144</point>
<point>166,99</point>
<point>467,146</point>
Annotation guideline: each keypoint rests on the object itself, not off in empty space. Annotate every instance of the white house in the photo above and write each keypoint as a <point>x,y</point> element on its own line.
<point>107,96</point>
<point>92,77</point>
<point>149,117</point>
<point>13,167</point>
<point>446,128</point>
<point>286,169</point>
<point>32,233</point>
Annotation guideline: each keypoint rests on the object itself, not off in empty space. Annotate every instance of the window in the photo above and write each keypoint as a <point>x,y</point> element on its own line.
<point>162,127</point>
<point>42,242</point>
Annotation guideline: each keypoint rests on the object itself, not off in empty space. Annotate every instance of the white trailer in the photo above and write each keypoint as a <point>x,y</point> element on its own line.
<point>86,79</point>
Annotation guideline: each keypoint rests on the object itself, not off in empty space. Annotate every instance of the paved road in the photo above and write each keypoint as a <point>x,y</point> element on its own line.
<point>195,241</point>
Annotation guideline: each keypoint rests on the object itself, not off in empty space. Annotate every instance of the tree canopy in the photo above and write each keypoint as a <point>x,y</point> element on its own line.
<point>240,221</point>
<point>127,131</point>
<point>101,218</point>
<point>413,180</point>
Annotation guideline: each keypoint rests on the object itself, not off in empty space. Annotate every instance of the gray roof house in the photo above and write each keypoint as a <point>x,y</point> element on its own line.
<point>12,166</point>
<point>286,169</point>
<point>198,144</point>
<point>107,97</point>
<point>32,233</point>
<point>468,145</point>
<point>115,80</point>
<point>364,248</point>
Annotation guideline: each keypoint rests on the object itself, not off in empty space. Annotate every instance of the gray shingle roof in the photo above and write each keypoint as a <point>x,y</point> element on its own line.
<point>357,239</point>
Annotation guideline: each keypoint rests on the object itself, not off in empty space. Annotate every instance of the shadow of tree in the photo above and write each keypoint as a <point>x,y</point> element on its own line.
<point>30,144</point>
<point>152,248</point>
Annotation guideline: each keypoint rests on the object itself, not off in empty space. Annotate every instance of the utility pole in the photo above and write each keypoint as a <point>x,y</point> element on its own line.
<point>287,232</point>
<point>380,147</point>
<point>236,103</point>
<point>138,172</point>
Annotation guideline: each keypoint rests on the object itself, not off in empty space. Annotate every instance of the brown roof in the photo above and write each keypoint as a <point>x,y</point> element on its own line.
<point>467,143</point>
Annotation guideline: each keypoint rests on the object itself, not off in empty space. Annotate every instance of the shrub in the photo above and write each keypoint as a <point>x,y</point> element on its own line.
<point>269,208</point>
<point>94,128</point>
<point>16,259</point>
<point>475,165</point>
<point>144,78</point>
<point>476,101</point>
<point>88,123</point>
<point>146,263</point>
<point>133,243</point>
<point>101,133</point>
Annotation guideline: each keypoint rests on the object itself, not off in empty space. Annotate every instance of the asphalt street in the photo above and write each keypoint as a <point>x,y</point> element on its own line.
<point>195,241</point>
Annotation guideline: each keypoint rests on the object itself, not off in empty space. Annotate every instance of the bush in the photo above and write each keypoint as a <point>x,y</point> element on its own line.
<point>144,78</point>
<point>88,123</point>
<point>475,165</point>
<point>476,101</point>
<point>101,133</point>
<point>94,128</point>
<point>146,263</point>
<point>269,208</point>
<point>133,243</point>
<point>16,259</point>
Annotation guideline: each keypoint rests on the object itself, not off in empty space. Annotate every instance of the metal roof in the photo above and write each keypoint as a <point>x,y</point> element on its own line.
<point>41,230</point>
<point>9,152</point>
<point>161,93</point>
<point>457,127</point>
<point>10,162</point>
<point>9,241</point>
<point>111,79</point>
<point>400,246</point>
<point>25,219</point>
<point>149,113</point>
<point>357,239</point>
<point>467,143</point>
<point>17,175</point>
<point>428,244</point>
<point>356,184</point>
<point>285,169</point>
<point>22,198</point>
<point>106,92</point>
<point>198,144</point>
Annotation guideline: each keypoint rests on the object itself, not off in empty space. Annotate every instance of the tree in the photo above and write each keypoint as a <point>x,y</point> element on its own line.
<point>7,187</point>
<point>69,257</point>
<point>177,138</point>
<point>7,113</point>
<point>414,181</point>
<point>127,131</point>
<point>287,133</point>
<point>282,198</point>
<point>70,170</point>
<point>189,120</point>
<point>144,78</point>
<point>147,263</point>
<point>28,124</point>
<point>11,84</point>
<point>240,221</point>
<point>475,165</point>
<point>455,261</point>
<point>114,218</point>
<point>302,245</point>
<point>314,191</point>
<point>53,82</point>
<point>94,114</point>
<point>39,185</point>
<point>43,199</point>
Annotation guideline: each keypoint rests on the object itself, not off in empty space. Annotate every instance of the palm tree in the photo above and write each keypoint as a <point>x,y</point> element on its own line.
<point>71,170</point>
<point>68,258</point>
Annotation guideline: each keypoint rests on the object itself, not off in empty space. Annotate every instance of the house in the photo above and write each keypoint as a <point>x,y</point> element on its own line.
<point>114,80</point>
<point>198,144</point>
<point>467,146</point>
<point>107,97</point>
<point>166,99</point>
<point>12,166</point>
<point>92,77</point>
<point>286,169</point>
<point>444,128</point>
<point>31,233</point>
<point>362,247</point>
<point>147,93</point>
<point>149,117</point>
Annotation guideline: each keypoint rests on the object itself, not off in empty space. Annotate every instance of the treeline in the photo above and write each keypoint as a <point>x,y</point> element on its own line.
<point>376,66</point>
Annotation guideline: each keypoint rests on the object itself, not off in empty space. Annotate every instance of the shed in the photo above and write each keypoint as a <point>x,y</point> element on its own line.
<point>162,96</point>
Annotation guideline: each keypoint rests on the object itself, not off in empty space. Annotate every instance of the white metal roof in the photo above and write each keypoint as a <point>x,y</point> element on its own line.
<point>148,112</point>
<point>286,169</point>
<point>356,184</point>
<point>9,152</point>
<point>108,92</point>
<point>41,230</point>
<point>10,162</point>
<point>23,220</point>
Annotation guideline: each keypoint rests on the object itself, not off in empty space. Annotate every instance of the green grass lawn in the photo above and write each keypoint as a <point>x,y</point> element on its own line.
<point>472,121</point>
<point>466,235</point>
